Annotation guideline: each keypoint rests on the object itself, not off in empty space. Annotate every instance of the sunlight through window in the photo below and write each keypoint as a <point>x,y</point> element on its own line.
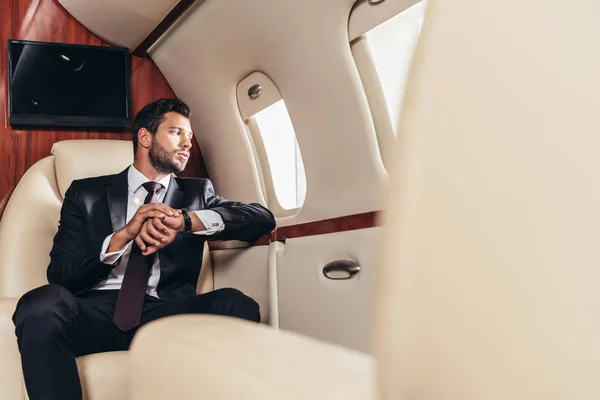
<point>392,45</point>
<point>283,155</point>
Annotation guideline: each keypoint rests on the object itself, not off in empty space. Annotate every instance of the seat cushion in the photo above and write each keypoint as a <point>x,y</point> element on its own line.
<point>213,357</point>
<point>11,377</point>
<point>104,375</point>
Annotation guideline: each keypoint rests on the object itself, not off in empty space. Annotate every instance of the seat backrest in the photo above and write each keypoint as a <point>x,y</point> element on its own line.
<point>31,217</point>
<point>490,269</point>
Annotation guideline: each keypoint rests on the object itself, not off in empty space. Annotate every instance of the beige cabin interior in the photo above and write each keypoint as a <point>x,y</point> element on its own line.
<point>476,144</point>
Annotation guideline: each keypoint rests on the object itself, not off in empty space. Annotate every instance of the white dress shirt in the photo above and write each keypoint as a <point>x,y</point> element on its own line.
<point>211,220</point>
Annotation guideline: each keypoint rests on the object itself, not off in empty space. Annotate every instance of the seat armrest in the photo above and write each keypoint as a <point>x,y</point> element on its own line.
<point>211,357</point>
<point>11,376</point>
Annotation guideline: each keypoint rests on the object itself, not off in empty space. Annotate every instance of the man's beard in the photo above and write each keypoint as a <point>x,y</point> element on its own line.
<point>163,161</point>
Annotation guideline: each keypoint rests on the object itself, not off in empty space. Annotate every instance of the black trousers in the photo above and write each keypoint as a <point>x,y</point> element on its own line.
<point>53,326</point>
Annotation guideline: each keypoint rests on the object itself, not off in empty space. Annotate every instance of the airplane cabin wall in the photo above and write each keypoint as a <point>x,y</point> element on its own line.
<point>126,23</point>
<point>47,20</point>
<point>303,47</point>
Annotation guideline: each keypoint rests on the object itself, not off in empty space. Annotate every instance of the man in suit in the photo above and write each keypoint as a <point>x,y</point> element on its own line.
<point>128,251</point>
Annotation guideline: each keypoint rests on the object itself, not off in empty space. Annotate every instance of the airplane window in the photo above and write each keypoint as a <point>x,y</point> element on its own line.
<point>383,55</point>
<point>283,155</point>
<point>392,45</point>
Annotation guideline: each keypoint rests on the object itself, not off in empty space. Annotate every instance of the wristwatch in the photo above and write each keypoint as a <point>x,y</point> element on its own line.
<point>187,221</point>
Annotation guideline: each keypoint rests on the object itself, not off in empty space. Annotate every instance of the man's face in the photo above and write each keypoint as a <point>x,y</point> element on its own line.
<point>170,149</point>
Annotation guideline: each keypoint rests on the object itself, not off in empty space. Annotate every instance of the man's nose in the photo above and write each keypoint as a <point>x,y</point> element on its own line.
<point>187,142</point>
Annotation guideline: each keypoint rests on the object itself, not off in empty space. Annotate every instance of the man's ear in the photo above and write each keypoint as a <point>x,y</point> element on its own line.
<point>144,138</point>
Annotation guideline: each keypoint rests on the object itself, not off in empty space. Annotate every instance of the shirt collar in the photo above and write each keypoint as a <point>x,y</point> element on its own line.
<point>136,179</point>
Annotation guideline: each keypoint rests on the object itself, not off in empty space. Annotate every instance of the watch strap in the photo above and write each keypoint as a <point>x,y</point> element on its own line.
<point>187,221</point>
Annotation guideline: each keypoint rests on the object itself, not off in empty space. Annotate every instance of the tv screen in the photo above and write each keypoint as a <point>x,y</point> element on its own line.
<point>54,84</point>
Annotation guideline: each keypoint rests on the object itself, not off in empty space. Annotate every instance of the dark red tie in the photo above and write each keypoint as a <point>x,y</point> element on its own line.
<point>130,303</point>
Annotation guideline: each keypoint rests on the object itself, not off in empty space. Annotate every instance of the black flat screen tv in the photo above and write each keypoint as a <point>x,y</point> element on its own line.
<point>55,84</point>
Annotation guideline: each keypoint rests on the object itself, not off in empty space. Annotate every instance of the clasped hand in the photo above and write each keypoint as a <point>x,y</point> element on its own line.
<point>154,226</point>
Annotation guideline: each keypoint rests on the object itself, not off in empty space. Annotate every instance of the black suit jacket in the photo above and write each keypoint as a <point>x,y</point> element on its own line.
<point>96,207</point>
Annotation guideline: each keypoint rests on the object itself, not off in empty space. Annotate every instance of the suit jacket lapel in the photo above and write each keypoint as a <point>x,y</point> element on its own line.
<point>174,195</point>
<point>116,194</point>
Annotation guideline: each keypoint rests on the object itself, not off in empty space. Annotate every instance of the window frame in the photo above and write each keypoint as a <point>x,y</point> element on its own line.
<point>363,19</point>
<point>249,108</point>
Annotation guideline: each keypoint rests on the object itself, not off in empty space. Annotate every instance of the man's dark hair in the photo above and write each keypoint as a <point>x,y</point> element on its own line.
<point>152,115</point>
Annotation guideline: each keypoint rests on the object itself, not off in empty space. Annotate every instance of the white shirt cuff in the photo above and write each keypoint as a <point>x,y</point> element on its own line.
<point>212,221</point>
<point>111,258</point>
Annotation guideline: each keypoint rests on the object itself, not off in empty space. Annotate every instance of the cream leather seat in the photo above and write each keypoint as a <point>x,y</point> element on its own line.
<point>26,232</point>
<point>489,276</point>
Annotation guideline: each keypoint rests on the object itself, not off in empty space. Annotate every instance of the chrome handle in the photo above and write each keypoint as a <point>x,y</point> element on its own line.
<point>341,269</point>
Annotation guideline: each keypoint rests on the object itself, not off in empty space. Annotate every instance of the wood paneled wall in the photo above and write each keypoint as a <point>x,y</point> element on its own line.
<point>47,20</point>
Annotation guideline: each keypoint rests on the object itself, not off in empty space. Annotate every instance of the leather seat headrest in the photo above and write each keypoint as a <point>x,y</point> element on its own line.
<point>78,159</point>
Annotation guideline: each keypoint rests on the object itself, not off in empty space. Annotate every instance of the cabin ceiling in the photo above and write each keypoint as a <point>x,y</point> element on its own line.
<point>120,22</point>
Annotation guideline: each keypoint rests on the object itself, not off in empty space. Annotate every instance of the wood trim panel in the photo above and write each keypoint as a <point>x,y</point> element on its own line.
<point>333,225</point>
<point>164,25</point>
<point>323,227</point>
<point>4,201</point>
<point>264,240</point>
